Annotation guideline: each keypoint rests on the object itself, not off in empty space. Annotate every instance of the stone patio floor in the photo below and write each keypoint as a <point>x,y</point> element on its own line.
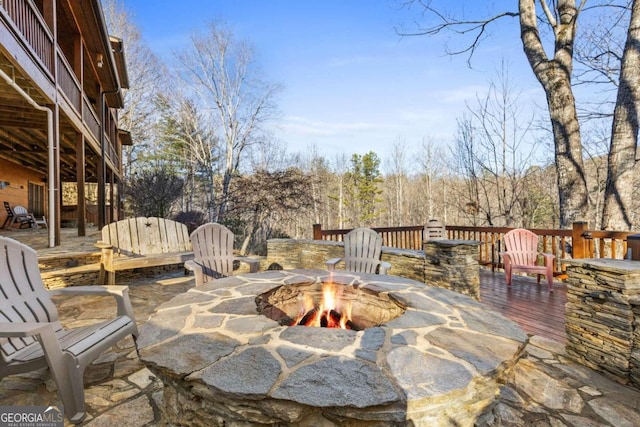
<point>545,388</point>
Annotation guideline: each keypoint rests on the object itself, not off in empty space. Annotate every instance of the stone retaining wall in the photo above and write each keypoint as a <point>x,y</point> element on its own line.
<point>67,260</point>
<point>450,264</point>
<point>87,274</point>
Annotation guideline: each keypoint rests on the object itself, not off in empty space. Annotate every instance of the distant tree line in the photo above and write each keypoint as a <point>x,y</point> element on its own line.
<point>203,152</point>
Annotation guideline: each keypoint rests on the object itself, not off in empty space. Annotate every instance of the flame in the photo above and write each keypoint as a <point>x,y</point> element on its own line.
<point>328,312</point>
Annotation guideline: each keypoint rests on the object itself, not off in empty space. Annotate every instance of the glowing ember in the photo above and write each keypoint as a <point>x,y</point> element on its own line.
<point>327,314</point>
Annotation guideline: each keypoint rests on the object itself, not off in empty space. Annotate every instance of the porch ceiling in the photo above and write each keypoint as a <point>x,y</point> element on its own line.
<point>23,131</point>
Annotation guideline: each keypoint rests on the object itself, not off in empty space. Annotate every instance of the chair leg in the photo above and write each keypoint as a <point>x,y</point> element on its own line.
<point>507,269</point>
<point>71,390</point>
<point>507,272</point>
<point>550,280</point>
<point>67,375</point>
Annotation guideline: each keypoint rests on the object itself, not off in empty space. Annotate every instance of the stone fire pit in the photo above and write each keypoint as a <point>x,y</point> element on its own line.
<point>439,360</point>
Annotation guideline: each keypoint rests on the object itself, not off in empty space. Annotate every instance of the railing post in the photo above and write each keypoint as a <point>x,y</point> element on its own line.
<point>317,231</point>
<point>579,243</point>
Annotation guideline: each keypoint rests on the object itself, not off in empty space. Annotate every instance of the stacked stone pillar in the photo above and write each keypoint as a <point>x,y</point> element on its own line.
<point>453,264</point>
<point>602,295</point>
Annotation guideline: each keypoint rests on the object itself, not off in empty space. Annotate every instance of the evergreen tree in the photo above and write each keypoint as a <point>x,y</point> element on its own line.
<point>365,177</point>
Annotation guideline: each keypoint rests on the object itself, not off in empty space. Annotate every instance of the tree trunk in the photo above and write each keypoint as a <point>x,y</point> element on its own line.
<point>555,77</point>
<point>616,213</point>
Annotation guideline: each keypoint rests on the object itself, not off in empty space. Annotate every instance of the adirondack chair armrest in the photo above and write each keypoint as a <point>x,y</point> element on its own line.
<point>548,258</point>
<point>191,265</point>
<point>120,293</point>
<point>103,245</point>
<point>384,267</point>
<point>331,263</point>
<point>198,272</point>
<point>24,329</point>
<point>254,264</point>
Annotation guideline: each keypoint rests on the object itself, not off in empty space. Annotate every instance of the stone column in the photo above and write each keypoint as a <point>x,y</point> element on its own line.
<point>453,264</point>
<point>600,316</point>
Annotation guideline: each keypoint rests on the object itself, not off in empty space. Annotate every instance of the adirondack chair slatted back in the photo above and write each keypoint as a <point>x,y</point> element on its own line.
<point>362,249</point>
<point>144,236</point>
<point>522,245</point>
<point>213,249</point>
<point>7,207</point>
<point>23,297</point>
<point>9,218</point>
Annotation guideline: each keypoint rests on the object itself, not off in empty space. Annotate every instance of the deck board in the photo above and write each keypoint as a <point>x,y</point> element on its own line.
<point>537,311</point>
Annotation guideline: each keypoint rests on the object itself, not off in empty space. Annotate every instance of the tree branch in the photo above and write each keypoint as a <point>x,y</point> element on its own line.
<point>474,28</point>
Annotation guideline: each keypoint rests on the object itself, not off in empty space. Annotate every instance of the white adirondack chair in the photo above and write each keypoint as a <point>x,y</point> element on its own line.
<point>213,253</point>
<point>362,250</point>
<point>31,336</point>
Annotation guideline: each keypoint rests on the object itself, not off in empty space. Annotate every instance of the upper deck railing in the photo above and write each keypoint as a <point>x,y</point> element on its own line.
<point>578,242</point>
<point>36,36</point>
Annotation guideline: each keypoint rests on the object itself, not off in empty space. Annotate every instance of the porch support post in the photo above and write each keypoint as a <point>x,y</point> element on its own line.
<point>80,183</point>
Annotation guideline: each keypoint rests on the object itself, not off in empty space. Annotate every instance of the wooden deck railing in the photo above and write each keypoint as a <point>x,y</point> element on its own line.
<point>34,33</point>
<point>32,27</point>
<point>578,242</point>
<point>68,83</point>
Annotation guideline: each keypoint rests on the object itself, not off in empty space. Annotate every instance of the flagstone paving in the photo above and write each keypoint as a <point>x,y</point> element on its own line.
<point>545,388</point>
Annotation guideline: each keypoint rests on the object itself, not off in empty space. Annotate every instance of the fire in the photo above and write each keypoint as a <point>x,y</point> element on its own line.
<point>326,314</point>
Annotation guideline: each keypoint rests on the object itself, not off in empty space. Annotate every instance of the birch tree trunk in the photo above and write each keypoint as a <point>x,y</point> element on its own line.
<point>618,198</point>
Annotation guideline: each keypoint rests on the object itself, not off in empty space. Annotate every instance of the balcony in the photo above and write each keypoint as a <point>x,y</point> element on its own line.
<point>35,63</point>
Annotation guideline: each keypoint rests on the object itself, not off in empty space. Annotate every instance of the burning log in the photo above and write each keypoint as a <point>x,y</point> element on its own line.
<point>308,317</point>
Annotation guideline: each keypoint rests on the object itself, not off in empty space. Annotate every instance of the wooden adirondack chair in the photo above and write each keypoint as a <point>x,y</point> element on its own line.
<point>362,250</point>
<point>31,336</point>
<point>17,214</point>
<point>212,245</point>
<point>522,255</point>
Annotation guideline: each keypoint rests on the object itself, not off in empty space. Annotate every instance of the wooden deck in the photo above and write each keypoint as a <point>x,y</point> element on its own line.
<point>537,311</point>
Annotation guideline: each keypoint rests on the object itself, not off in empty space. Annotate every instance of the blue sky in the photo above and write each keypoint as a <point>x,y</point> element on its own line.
<point>351,84</point>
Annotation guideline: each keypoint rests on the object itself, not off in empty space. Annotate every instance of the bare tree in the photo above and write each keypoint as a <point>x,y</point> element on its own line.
<point>494,152</point>
<point>223,73</point>
<point>341,169</point>
<point>553,73</point>
<point>432,160</point>
<point>396,185</point>
<point>188,141</point>
<point>265,201</point>
<point>153,190</point>
<point>145,80</point>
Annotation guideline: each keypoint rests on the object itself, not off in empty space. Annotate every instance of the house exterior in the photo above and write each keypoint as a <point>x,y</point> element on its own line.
<point>61,82</point>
